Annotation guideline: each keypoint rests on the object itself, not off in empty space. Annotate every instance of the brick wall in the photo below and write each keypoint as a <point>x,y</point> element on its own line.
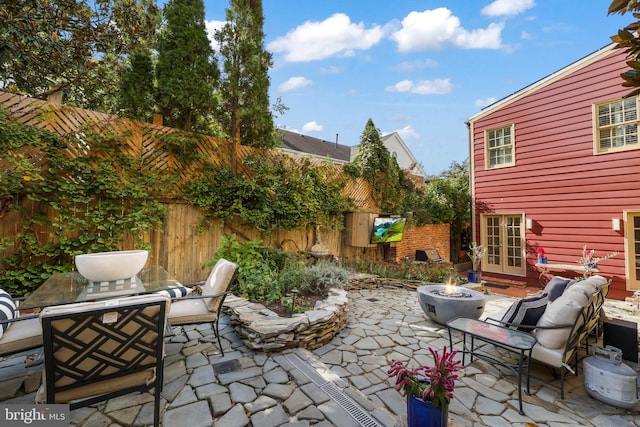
<point>430,236</point>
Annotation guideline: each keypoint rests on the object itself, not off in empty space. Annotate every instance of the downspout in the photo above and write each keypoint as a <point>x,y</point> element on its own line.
<point>472,182</point>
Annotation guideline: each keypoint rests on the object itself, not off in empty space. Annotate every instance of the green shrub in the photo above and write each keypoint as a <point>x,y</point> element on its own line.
<point>268,275</point>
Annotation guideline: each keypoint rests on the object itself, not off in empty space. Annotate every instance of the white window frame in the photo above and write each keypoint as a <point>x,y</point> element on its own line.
<point>488,137</point>
<point>621,121</point>
<point>631,255</point>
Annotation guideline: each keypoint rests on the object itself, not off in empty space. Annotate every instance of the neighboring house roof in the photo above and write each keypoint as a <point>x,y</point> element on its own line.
<point>580,63</point>
<point>405,158</point>
<point>314,147</point>
<point>296,143</point>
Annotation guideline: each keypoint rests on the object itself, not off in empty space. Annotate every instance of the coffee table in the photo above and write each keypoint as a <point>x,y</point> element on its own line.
<point>510,339</point>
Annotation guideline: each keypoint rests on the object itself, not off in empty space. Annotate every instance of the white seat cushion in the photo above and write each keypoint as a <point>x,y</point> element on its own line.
<point>189,310</point>
<point>22,335</point>
<point>550,356</point>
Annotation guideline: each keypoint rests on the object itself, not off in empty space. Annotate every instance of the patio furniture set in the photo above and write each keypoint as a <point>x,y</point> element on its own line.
<point>102,343</point>
<point>549,328</point>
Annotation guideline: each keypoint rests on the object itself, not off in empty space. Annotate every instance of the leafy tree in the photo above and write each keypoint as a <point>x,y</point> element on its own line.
<point>187,71</point>
<point>627,38</point>
<point>136,96</point>
<point>75,46</point>
<point>446,200</point>
<point>245,113</point>
<point>392,188</point>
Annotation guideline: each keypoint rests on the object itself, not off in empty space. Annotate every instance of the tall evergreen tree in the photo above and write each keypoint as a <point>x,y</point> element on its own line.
<point>392,188</point>
<point>187,71</point>
<point>245,83</point>
<point>136,95</point>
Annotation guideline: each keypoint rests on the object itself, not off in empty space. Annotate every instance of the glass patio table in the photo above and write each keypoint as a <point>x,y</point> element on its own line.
<point>66,288</point>
<point>511,339</point>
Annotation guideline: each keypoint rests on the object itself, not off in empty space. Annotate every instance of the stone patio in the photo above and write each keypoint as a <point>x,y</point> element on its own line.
<point>343,383</point>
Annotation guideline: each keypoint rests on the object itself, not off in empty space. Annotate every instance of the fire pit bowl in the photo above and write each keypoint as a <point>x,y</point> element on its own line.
<point>443,303</point>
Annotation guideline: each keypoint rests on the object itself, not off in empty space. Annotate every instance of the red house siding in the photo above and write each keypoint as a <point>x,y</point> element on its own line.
<point>570,193</point>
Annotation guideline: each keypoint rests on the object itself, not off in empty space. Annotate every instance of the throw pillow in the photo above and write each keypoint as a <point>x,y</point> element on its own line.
<point>556,287</point>
<point>7,310</point>
<point>563,311</point>
<point>526,312</point>
<point>177,292</point>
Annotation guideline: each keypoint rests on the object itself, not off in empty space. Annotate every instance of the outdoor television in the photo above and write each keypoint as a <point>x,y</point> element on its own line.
<point>387,229</point>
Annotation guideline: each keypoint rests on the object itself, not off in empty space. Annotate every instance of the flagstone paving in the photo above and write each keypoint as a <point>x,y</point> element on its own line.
<point>343,383</point>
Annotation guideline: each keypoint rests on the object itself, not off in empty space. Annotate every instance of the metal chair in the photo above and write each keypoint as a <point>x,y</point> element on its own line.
<point>206,307</point>
<point>99,350</point>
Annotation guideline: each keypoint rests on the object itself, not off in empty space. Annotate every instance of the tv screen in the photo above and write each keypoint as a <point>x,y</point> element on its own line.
<point>387,229</point>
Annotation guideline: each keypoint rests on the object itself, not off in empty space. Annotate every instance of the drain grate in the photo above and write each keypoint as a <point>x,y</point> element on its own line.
<point>226,367</point>
<point>351,407</point>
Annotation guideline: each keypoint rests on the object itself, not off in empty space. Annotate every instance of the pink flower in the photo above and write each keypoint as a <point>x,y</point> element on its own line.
<point>435,383</point>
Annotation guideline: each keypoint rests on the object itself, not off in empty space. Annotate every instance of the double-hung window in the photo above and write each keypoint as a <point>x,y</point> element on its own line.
<point>616,125</point>
<point>500,147</point>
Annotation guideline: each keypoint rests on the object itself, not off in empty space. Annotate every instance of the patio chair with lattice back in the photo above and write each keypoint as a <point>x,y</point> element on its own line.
<point>99,350</point>
<point>208,306</point>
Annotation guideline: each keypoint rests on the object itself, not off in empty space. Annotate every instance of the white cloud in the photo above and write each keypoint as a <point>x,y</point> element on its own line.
<point>526,36</point>
<point>312,126</point>
<point>336,35</point>
<point>211,27</point>
<point>484,102</point>
<point>507,7</point>
<point>422,87</point>
<point>407,133</point>
<point>332,69</point>
<point>294,83</point>
<point>438,28</point>
<point>409,66</point>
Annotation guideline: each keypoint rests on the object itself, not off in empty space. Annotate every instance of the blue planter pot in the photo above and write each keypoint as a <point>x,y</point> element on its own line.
<point>473,276</point>
<point>421,413</point>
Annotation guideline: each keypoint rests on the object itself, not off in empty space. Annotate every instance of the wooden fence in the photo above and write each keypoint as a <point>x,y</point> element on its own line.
<point>182,246</point>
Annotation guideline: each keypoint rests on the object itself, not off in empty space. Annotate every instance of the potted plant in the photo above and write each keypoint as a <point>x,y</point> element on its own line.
<point>589,260</point>
<point>542,259</point>
<point>476,253</point>
<point>428,389</point>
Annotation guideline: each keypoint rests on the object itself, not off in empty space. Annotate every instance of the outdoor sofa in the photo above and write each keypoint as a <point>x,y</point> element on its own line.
<point>562,317</point>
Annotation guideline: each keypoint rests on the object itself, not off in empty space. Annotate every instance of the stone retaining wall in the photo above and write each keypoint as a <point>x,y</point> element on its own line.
<point>262,329</point>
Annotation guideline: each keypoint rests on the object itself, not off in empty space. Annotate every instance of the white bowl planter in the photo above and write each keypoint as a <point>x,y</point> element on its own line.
<point>111,266</point>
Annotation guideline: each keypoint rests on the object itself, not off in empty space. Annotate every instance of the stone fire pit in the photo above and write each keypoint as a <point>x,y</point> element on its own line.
<point>442,304</point>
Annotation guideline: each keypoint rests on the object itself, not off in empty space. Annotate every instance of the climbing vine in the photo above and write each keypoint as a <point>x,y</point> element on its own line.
<point>278,193</point>
<point>71,204</point>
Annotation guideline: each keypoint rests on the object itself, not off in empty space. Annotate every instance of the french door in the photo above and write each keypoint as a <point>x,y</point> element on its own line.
<point>632,249</point>
<point>503,235</point>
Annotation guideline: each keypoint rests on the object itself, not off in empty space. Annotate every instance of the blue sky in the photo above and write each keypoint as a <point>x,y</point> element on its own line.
<point>419,68</point>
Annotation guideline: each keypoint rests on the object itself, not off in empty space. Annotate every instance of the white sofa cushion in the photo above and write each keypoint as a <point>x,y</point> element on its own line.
<point>550,356</point>
<point>578,295</point>
<point>562,311</point>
